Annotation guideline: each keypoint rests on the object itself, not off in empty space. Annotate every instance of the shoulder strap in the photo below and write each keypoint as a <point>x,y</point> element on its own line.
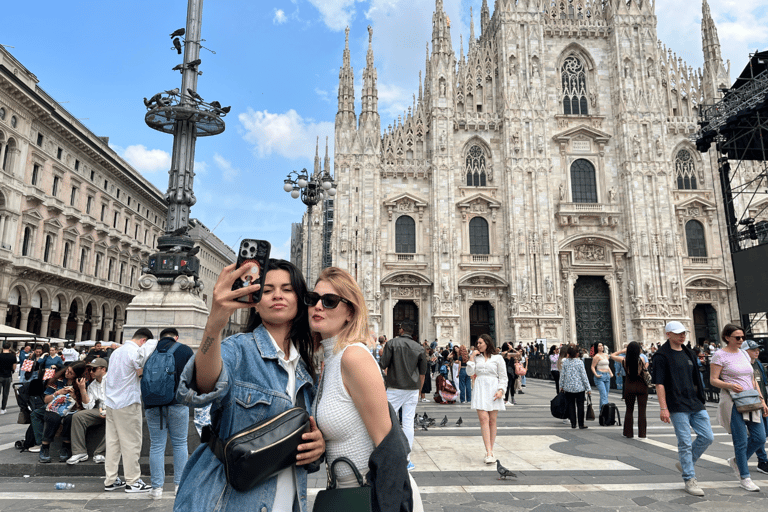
<point>174,347</point>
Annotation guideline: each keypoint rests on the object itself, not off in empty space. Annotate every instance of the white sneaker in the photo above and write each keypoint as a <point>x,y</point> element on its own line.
<point>746,483</point>
<point>34,449</point>
<point>692,487</point>
<point>156,493</point>
<point>2,411</point>
<point>489,459</point>
<point>139,486</point>
<point>734,467</point>
<point>78,457</point>
<point>98,459</point>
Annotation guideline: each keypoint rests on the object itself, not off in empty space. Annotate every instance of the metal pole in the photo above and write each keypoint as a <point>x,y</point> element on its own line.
<point>309,244</point>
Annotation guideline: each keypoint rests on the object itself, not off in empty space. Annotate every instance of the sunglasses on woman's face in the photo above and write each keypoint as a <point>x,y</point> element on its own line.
<point>330,300</point>
<point>738,338</point>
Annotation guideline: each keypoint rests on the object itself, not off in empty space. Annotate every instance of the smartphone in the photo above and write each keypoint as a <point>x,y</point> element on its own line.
<point>256,251</point>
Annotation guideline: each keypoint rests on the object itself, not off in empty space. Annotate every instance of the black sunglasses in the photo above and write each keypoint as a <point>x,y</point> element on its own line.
<point>737,338</point>
<point>330,300</point>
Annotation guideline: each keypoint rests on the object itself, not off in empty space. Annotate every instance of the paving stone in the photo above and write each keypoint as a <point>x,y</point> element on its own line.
<point>643,501</point>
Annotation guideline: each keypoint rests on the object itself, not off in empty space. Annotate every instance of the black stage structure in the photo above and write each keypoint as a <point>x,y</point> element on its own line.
<point>738,127</point>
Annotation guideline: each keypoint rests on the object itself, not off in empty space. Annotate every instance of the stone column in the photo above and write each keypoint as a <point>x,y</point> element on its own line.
<point>3,311</point>
<point>3,222</point>
<point>118,331</point>
<point>46,313</point>
<point>24,317</point>
<point>95,323</point>
<point>63,326</point>
<point>108,322</point>
<point>79,331</point>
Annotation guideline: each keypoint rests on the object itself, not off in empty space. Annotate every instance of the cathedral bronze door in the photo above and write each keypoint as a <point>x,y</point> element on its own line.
<point>406,312</point>
<point>592,310</point>
<point>705,324</point>
<point>481,321</point>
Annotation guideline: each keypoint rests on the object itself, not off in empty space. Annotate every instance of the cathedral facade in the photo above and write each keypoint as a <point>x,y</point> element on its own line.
<point>543,185</point>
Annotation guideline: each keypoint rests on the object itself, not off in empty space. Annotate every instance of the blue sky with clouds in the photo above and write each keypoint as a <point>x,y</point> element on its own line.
<point>276,64</point>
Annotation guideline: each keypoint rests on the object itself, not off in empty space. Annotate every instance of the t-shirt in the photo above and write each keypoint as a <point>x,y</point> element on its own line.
<point>49,361</point>
<point>736,368</point>
<point>7,360</point>
<point>759,376</point>
<point>680,390</point>
<point>182,354</point>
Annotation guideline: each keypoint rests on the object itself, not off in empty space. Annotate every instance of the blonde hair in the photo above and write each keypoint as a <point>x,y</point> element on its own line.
<point>356,330</point>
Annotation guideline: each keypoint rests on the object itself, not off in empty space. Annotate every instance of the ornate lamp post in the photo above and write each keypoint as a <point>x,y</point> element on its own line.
<point>312,190</point>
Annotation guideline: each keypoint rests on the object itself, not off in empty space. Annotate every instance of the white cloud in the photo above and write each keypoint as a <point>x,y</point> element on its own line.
<point>323,95</point>
<point>279,17</point>
<point>337,14</point>
<point>146,160</point>
<point>289,135</point>
<point>228,172</point>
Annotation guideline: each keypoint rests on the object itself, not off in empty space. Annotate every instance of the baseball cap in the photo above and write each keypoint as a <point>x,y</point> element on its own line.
<point>750,344</point>
<point>99,362</point>
<point>675,327</point>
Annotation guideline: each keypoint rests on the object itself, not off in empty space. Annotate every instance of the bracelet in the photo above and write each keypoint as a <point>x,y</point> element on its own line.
<point>664,409</point>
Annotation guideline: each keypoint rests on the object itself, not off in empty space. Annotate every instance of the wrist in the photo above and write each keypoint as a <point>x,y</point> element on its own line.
<point>664,409</point>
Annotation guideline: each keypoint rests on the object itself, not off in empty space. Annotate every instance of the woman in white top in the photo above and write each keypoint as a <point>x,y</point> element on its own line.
<point>352,408</point>
<point>488,392</point>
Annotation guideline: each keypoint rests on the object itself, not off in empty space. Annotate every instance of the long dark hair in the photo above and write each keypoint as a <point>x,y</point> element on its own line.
<point>490,346</point>
<point>299,332</point>
<point>632,359</point>
<point>79,369</point>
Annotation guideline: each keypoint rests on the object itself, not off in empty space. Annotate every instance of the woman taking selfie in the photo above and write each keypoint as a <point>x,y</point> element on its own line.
<point>247,378</point>
<point>352,408</point>
<point>731,370</point>
<point>635,388</point>
<point>490,384</point>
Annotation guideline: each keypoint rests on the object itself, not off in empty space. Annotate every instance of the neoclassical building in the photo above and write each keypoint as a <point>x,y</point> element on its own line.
<point>76,221</point>
<point>543,185</point>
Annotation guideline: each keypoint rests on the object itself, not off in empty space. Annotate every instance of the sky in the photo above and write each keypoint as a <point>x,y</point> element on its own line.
<point>276,62</point>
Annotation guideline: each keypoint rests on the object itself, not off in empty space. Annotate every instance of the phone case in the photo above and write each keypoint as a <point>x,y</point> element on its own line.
<point>256,251</point>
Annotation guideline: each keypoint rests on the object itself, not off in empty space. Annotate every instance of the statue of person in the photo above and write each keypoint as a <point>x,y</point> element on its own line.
<point>550,288</point>
<point>612,195</point>
<point>562,190</point>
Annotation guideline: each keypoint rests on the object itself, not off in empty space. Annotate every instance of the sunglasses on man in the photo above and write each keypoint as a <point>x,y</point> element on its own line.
<point>330,300</point>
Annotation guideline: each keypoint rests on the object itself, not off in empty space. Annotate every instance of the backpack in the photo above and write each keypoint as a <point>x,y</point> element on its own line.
<point>609,415</point>
<point>158,381</point>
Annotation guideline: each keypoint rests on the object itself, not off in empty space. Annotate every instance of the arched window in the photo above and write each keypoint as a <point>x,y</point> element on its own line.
<point>97,265</point>
<point>685,170</point>
<point>694,235</point>
<point>475,168</point>
<point>405,235</point>
<point>574,80</point>
<point>83,257</point>
<point>478,236</point>
<point>65,259</point>
<point>583,185</point>
<point>48,248</point>
<point>25,246</point>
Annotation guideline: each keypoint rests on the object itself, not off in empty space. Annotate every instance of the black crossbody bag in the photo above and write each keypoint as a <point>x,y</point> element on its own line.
<point>259,452</point>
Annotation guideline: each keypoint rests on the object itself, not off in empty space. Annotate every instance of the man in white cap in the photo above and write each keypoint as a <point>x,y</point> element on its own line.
<point>680,390</point>
<point>752,348</point>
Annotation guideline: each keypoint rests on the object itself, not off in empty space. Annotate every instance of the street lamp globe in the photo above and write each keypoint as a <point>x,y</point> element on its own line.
<point>295,193</point>
<point>288,186</point>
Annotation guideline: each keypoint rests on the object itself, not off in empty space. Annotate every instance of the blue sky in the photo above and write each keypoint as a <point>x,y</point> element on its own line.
<point>276,64</point>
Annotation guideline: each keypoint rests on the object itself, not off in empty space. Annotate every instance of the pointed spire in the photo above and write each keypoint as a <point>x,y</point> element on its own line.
<point>346,80</point>
<point>485,16</point>
<point>715,74</point>
<point>471,27</point>
<point>327,160</point>
<point>370,93</point>
<point>317,158</point>
<point>421,90</point>
<point>441,31</point>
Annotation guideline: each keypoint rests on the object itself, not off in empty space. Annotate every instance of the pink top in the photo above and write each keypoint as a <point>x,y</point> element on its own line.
<point>736,368</point>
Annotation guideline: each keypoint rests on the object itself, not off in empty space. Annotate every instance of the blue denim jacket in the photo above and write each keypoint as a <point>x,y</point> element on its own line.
<point>250,388</point>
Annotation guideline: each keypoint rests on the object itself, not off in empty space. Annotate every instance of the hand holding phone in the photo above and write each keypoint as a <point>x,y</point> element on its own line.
<point>253,251</point>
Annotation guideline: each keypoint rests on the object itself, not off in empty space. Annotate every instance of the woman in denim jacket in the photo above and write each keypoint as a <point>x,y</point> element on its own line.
<point>247,378</point>
<point>574,382</point>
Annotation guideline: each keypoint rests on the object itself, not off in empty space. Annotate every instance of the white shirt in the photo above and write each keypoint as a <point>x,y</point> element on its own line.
<point>285,493</point>
<point>123,386</point>
<point>70,355</point>
<point>96,391</point>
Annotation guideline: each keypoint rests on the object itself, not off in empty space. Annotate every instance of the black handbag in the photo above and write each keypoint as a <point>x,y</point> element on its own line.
<point>558,406</point>
<point>590,411</point>
<point>351,499</point>
<point>259,452</point>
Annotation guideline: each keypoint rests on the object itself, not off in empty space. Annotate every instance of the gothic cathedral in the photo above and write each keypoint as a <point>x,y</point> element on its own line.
<point>544,185</point>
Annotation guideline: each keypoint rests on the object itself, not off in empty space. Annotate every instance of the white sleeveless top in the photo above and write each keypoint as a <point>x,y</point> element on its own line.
<point>337,417</point>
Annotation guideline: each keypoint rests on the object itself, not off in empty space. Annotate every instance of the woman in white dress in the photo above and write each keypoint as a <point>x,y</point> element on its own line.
<point>488,392</point>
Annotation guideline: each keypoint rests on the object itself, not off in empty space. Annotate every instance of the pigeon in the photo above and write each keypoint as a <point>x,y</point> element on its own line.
<point>431,422</point>
<point>424,426</point>
<point>147,103</point>
<point>178,232</point>
<point>216,105</point>
<point>193,251</point>
<point>194,63</point>
<point>177,45</point>
<point>173,92</point>
<point>445,421</point>
<point>426,416</point>
<point>226,110</point>
<point>178,32</point>
<point>178,67</point>
<point>154,98</point>
<point>194,94</point>
<point>504,472</point>
<point>458,423</point>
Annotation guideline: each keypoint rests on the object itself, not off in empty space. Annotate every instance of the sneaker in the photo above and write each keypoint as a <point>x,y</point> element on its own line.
<point>79,457</point>
<point>521,392</point>
<point>679,467</point>
<point>34,449</point>
<point>156,493</point>
<point>410,467</point>
<point>489,459</point>
<point>762,466</point>
<point>692,487</point>
<point>98,459</point>
<point>65,453</point>
<point>45,455</point>
<point>2,411</point>
<point>176,490</point>
<point>139,486</point>
<point>119,483</point>
<point>734,467</point>
<point>583,427</point>
<point>746,483</point>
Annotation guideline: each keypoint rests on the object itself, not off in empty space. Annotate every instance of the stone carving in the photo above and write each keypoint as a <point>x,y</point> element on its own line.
<point>368,283</point>
<point>650,291</point>
<point>520,242</point>
<point>644,244</point>
<point>539,143</point>
<point>344,246</point>
<point>367,241</point>
<point>562,190</point>
<point>657,144</point>
<point>444,246</point>
<point>406,280</point>
<point>446,287</point>
<point>631,288</point>
<point>550,288</point>
<point>512,307</point>
<point>632,244</point>
<point>516,142</point>
<point>612,195</point>
<point>675,286</point>
<point>524,290</point>
<point>635,145</point>
<point>669,245</point>
<point>405,205</point>
<point>589,252</point>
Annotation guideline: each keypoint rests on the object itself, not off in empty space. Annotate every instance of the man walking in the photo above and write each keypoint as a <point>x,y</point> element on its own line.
<point>7,367</point>
<point>405,363</point>
<point>165,417</point>
<point>124,421</point>
<point>94,413</point>
<point>680,390</point>
<point>753,351</point>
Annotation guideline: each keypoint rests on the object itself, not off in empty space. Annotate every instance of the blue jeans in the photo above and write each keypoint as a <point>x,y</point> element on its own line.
<point>743,448</point>
<point>761,455</point>
<point>465,386</point>
<point>688,452</point>
<point>617,371</point>
<point>603,384</point>
<point>175,421</point>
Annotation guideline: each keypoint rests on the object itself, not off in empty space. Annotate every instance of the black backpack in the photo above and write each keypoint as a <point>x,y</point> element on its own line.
<point>609,415</point>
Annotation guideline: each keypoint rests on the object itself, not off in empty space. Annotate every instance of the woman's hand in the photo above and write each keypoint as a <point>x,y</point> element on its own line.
<point>498,395</point>
<point>765,410</point>
<point>81,383</point>
<point>736,388</point>
<point>314,447</point>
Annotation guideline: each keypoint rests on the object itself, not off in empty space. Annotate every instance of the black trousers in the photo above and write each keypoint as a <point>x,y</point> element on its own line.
<point>510,387</point>
<point>556,376</point>
<point>5,383</point>
<point>52,422</point>
<point>575,406</point>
